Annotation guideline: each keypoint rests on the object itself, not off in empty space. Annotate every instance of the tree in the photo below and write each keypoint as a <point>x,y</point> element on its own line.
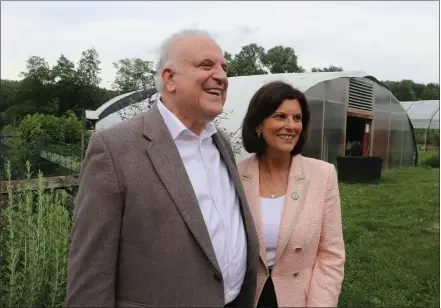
<point>67,87</point>
<point>37,68</point>
<point>431,92</point>
<point>247,62</point>
<point>230,64</point>
<point>88,76</point>
<point>55,90</point>
<point>418,88</point>
<point>64,70</point>
<point>330,68</point>
<point>89,68</point>
<point>133,74</point>
<point>402,90</point>
<point>280,59</point>
<point>407,90</point>
<point>9,90</point>
<point>36,88</point>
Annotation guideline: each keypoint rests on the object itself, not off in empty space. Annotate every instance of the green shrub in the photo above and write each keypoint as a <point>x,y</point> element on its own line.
<point>39,132</point>
<point>430,160</point>
<point>49,128</point>
<point>8,128</point>
<point>34,245</point>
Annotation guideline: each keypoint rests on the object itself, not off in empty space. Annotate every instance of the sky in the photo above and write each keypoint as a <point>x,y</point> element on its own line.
<point>388,40</point>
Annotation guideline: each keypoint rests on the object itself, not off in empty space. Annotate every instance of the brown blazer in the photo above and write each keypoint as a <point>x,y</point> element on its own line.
<point>139,238</point>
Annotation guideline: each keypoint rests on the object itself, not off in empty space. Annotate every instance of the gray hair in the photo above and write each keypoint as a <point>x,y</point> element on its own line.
<point>164,51</point>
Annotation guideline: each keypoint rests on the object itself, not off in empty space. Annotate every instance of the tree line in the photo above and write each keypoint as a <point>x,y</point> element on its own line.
<point>66,86</point>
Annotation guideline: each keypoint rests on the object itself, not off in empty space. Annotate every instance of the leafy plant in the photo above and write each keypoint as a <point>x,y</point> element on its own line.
<point>34,245</point>
<point>40,132</point>
<point>430,160</point>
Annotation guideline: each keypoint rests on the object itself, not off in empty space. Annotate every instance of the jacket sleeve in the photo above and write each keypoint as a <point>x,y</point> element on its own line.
<point>328,272</point>
<point>95,233</point>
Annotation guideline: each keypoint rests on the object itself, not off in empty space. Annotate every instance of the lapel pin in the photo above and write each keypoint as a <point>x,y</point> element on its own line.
<point>295,195</point>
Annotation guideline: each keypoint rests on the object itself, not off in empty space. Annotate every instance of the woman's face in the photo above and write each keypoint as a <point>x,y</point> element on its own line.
<point>282,129</point>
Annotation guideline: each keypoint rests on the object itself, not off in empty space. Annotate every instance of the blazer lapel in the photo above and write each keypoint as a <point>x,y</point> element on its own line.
<point>227,156</point>
<point>165,158</point>
<point>292,207</point>
<point>250,181</point>
<point>231,166</point>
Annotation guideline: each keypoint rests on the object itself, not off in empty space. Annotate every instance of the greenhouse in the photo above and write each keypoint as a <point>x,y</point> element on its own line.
<point>347,109</point>
<point>424,116</point>
<point>117,105</point>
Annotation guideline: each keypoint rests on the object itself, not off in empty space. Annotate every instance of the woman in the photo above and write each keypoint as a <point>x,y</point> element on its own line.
<point>295,204</point>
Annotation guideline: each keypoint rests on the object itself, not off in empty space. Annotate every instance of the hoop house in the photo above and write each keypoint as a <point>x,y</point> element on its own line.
<point>346,108</point>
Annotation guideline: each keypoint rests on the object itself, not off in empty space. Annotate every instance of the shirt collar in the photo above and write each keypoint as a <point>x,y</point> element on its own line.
<point>176,127</point>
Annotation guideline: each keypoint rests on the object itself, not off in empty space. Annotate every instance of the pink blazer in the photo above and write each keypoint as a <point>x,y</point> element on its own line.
<point>310,257</point>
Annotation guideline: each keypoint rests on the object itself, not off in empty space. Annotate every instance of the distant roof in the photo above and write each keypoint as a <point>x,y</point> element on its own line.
<point>423,113</point>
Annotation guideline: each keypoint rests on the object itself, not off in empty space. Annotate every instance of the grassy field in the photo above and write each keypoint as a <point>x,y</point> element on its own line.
<point>391,234</point>
<point>392,243</point>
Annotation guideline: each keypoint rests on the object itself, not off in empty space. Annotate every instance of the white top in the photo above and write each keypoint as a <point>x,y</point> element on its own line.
<point>217,197</point>
<point>272,210</point>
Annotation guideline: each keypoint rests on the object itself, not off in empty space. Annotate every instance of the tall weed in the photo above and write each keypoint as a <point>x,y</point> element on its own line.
<point>34,245</point>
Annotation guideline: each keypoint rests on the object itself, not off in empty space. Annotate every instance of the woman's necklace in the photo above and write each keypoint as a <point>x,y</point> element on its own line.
<point>273,195</point>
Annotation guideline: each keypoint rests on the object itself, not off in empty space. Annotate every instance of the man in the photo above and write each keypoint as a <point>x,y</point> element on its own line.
<point>161,218</point>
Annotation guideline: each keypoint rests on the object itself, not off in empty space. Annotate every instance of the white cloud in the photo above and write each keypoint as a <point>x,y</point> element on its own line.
<point>390,40</point>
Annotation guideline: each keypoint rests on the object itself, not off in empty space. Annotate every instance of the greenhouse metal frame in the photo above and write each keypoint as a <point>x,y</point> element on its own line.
<point>423,114</point>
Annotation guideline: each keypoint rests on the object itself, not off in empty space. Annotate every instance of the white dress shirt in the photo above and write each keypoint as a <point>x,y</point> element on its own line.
<point>272,210</point>
<point>217,198</point>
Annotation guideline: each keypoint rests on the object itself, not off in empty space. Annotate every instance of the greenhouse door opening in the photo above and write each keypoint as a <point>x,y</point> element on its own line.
<point>357,136</point>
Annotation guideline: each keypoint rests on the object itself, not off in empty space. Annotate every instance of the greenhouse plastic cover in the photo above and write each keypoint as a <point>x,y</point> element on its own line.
<point>423,113</point>
<point>240,91</point>
<point>94,114</point>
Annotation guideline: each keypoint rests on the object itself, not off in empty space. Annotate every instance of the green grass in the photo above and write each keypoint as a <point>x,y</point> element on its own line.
<point>392,243</point>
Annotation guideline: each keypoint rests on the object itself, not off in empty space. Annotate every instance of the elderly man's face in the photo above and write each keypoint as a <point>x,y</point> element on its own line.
<point>201,82</point>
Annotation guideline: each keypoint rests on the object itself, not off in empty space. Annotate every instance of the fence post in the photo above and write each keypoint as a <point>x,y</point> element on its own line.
<point>83,124</point>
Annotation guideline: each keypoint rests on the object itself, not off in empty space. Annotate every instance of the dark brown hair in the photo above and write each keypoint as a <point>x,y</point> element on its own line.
<point>262,105</point>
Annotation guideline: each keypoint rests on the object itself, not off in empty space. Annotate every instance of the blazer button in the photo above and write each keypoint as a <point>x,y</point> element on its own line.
<point>296,274</point>
<point>298,249</point>
<point>217,277</point>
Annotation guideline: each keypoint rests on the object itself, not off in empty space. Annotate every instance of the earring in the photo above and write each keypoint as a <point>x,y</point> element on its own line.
<point>258,135</point>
